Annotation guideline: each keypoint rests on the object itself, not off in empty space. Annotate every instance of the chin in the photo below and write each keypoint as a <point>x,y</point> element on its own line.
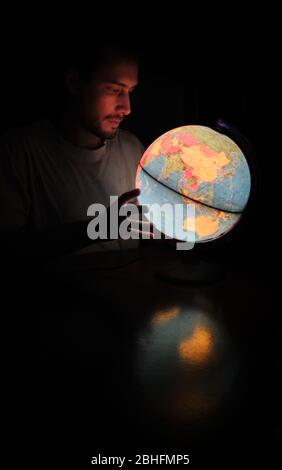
<point>110,134</point>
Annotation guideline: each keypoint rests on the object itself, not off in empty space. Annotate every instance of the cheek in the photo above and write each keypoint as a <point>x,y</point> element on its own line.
<point>98,106</point>
<point>105,105</point>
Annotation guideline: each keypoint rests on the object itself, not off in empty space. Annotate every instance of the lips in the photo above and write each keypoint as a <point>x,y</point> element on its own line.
<point>115,122</point>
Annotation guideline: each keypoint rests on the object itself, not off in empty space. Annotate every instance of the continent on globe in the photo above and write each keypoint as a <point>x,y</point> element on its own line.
<point>197,167</point>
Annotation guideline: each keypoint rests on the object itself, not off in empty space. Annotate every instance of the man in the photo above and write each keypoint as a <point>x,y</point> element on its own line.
<point>51,172</point>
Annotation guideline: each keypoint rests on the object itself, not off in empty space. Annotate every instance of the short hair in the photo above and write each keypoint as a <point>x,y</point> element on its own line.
<point>87,58</point>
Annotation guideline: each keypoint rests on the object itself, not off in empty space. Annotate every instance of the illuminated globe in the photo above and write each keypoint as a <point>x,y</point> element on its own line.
<point>198,168</point>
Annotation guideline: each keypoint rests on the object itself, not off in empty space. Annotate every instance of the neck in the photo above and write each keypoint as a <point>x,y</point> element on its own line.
<point>71,129</point>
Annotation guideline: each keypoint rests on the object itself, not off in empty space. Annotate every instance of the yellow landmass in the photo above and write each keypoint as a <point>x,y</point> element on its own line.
<point>206,168</point>
<point>223,215</point>
<point>215,140</point>
<point>173,164</point>
<point>156,149</point>
<point>177,129</point>
<point>204,225</point>
<point>187,196</point>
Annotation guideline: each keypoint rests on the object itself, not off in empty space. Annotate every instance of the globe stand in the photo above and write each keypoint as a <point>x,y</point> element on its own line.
<point>197,266</point>
<point>192,268</point>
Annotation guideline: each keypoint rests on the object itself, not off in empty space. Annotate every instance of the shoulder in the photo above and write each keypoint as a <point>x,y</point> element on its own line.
<point>12,151</point>
<point>22,142</point>
<point>22,136</point>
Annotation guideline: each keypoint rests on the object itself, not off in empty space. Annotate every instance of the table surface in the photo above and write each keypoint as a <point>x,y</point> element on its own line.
<point>123,357</point>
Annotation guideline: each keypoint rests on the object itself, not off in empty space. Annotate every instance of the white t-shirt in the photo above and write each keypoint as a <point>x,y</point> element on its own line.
<point>46,180</point>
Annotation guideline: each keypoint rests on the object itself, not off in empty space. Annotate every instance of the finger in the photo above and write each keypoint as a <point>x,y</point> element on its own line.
<point>130,195</point>
<point>142,208</point>
<point>142,233</point>
<point>141,225</point>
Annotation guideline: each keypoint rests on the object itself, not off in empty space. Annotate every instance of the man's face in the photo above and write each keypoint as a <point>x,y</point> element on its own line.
<point>104,101</point>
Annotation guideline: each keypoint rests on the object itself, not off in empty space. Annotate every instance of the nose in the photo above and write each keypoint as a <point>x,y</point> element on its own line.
<point>124,106</point>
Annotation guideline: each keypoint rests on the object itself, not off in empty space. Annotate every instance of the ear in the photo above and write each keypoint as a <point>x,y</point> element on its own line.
<point>72,81</point>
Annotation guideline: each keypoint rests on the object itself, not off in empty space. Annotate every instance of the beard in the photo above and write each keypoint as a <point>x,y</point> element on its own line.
<point>98,129</point>
<point>102,133</point>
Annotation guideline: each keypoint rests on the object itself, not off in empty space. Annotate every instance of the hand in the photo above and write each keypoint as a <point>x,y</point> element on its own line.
<point>139,226</point>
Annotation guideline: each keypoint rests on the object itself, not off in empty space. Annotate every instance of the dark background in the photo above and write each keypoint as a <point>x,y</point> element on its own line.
<point>188,76</point>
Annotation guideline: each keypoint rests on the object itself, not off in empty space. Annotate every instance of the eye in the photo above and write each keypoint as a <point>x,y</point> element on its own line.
<point>113,90</point>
